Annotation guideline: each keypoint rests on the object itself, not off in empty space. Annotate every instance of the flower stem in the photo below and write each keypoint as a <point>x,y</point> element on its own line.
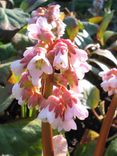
<point>47,144</point>
<point>99,150</point>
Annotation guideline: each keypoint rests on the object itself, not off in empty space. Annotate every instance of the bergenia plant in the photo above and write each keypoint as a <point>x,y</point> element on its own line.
<point>49,75</point>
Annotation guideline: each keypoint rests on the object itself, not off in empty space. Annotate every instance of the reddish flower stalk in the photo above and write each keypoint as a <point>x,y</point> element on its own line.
<point>47,145</point>
<point>99,150</point>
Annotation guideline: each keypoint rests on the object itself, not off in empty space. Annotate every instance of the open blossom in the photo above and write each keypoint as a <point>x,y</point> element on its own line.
<point>37,66</point>
<point>41,30</point>
<point>60,145</point>
<point>109,83</point>
<point>61,61</point>
<point>61,108</point>
<point>25,92</point>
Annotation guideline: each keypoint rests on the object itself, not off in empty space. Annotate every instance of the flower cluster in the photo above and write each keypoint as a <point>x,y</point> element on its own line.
<point>52,57</point>
<point>109,83</point>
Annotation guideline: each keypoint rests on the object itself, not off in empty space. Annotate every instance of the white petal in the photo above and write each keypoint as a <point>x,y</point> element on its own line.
<point>69,124</point>
<point>43,114</point>
<point>80,111</point>
<point>47,68</point>
<point>17,67</point>
<point>69,114</point>
<point>17,91</point>
<point>50,116</point>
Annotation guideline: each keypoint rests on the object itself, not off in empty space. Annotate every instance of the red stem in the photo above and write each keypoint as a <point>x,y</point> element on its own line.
<point>100,147</point>
<point>47,144</point>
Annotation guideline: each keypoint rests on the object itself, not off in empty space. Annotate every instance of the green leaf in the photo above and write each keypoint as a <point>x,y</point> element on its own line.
<point>5,73</point>
<point>98,64</point>
<point>85,149</point>
<point>21,138</point>
<point>73,26</point>
<point>83,39</point>
<point>30,5</point>
<point>105,56</point>
<point>11,20</point>
<point>7,51</point>
<point>91,96</point>
<point>6,103</point>
<point>90,28</point>
<point>20,42</point>
<point>110,36</point>
<point>107,19</point>
<point>5,92</point>
<point>112,149</point>
<point>96,19</point>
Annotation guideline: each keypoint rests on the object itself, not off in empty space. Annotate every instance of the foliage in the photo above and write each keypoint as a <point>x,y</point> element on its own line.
<point>86,31</point>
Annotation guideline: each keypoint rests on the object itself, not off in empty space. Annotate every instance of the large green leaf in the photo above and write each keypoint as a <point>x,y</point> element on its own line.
<point>90,28</point>
<point>5,73</point>
<point>30,5</point>
<point>73,26</point>
<point>4,105</point>
<point>85,149</point>
<point>7,51</point>
<point>107,19</point>
<point>5,92</point>
<point>105,56</point>
<point>90,94</point>
<point>21,138</point>
<point>83,39</point>
<point>112,149</point>
<point>11,20</point>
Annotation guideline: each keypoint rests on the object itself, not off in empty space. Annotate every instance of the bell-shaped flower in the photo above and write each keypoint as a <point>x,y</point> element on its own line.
<point>61,61</point>
<point>41,30</point>
<point>37,66</point>
<point>60,145</point>
<point>109,83</point>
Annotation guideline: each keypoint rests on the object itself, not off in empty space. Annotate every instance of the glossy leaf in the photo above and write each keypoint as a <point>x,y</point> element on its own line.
<point>91,94</point>
<point>5,92</point>
<point>7,51</point>
<point>91,28</point>
<point>110,36</point>
<point>107,19</point>
<point>73,26</point>
<point>11,20</point>
<point>4,105</point>
<point>112,149</point>
<point>20,138</point>
<point>5,73</point>
<point>96,19</point>
<point>85,149</point>
<point>83,39</point>
<point>30,5</point>
<point>105,56</point>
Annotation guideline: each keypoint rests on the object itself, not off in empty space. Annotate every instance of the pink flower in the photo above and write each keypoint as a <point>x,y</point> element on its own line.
<point>41,30</point>
<point>37,66</point>
<point>109,83</point>
<point>60,145</point>
<point>17,67</point>
<point>61,61</point>
<point>30,53</point>
<point>61,108</point>
<point>53,12</point>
